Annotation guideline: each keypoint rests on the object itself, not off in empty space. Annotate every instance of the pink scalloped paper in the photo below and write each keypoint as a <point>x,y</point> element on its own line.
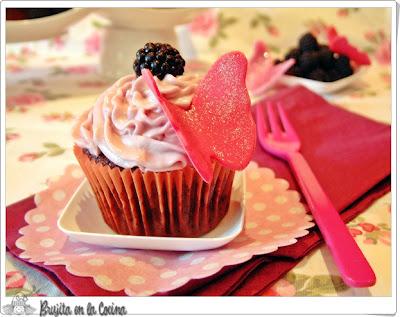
<point>274,218</point>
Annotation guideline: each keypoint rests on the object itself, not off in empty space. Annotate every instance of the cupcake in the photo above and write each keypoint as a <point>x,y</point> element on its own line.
<point>147,175</point>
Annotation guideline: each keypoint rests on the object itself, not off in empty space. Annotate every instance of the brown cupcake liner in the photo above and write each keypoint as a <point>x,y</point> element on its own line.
<point>177,203</point>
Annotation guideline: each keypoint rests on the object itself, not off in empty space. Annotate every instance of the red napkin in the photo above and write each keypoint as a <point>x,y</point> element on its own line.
<point>349,154</point>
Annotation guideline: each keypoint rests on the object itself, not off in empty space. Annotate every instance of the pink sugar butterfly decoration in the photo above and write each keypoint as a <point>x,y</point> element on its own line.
<point>218,125</point>
<point>262,73</point>
<point>339,44</point>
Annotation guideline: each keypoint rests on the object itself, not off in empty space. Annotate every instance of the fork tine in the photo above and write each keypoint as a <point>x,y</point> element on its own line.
<point>261,120</point>
<point>273,120</point>
<point>286,123</point>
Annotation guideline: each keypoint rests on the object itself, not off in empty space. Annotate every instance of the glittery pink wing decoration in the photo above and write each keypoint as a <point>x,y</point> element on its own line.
<point>219,124</point>
<point>262,73</point>
<point>341,45</point>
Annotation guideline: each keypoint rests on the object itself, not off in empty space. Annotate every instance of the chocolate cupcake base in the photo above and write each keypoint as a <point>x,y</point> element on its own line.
<point>171,204</point>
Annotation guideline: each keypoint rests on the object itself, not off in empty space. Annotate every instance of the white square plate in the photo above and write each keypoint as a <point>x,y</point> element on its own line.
<point>82,220</point>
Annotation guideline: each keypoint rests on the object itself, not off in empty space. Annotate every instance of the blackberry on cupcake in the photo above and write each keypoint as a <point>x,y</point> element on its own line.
<point>161,59</point>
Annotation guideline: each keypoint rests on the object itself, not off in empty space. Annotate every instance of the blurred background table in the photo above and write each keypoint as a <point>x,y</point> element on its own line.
<point>49,82</point>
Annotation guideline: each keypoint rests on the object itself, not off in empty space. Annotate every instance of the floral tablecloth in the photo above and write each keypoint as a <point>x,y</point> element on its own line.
<point>49,82</point>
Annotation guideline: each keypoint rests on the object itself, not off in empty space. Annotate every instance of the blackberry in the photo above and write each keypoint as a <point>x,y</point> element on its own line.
<point>333,75</point>
<point>308,61</point>
<point>293,53</point>
<point>342,65</point>
<point>308,43</point>
<point>343,59</point>
<point>326,58</point>
<point>160,59</point>
<point>294,71</point>
<point>318,74</point>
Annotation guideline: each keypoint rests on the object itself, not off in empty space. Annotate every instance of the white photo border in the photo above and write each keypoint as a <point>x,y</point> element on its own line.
<point>224,305</point>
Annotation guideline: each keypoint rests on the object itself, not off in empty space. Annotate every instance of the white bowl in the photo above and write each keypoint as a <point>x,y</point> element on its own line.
<point>82,220</point>
<point>43,28</point>
<point>321,87</point>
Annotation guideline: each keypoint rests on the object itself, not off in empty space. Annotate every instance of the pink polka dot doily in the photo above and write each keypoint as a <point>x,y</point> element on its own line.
<point>274,218</point>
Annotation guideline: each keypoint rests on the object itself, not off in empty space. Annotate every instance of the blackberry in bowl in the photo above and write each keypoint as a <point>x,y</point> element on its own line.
<point>308,43</point>
<point>317,62</point>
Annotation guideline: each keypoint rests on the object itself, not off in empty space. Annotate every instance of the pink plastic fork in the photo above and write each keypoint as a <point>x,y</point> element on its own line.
<point>283,141</point>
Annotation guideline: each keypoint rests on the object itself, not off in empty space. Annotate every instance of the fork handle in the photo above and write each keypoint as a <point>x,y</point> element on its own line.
<point>352,264</point>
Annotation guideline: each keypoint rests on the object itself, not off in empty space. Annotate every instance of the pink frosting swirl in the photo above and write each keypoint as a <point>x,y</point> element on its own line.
<point>128,125</point>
